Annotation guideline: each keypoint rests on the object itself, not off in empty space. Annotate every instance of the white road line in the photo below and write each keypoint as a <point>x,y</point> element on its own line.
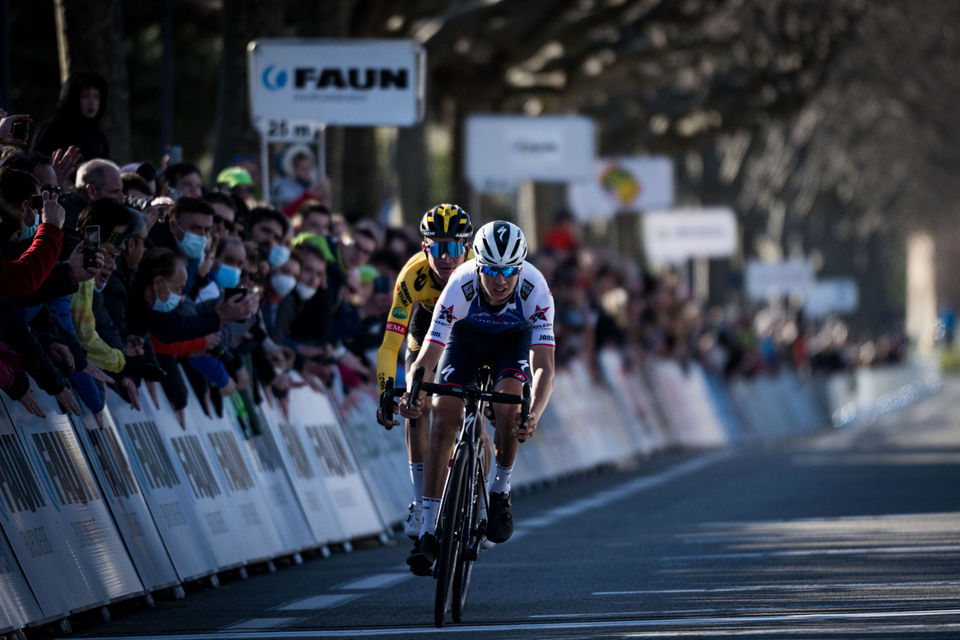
<point>608,496</point>
<point>564,626</point>
<point>376,581</point>
<point>322,601</point>
<point>264,623</point>
<point>817,552</point>
<point>786,587</point>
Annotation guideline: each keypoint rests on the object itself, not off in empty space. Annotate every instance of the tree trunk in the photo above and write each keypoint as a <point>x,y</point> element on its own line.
<point>414,176</point>
<point>243,21</point>
<point>362,188</point>
<point>90,37</point>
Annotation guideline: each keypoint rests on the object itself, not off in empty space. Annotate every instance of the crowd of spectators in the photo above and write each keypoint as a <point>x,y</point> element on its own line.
<point>121,276</point>
<point>608,301</point>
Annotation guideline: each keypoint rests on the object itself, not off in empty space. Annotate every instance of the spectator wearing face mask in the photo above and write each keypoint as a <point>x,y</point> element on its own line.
<point>266,229</point>
<point>186,231</point>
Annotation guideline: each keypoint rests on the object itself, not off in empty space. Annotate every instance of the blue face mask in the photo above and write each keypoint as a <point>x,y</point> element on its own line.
<point>168,305</point>
<point>227,277</point>
<point>29,232</point>
<point>193,245</point>
<point>278,256</point>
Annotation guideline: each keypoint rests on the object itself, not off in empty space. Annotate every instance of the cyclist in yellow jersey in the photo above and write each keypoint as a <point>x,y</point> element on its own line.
<point>446,231</point>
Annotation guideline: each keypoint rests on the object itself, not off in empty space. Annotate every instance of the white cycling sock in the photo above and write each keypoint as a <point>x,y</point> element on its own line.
<point>501,482</point>
<point>416,478</point>
<point>431,511</point>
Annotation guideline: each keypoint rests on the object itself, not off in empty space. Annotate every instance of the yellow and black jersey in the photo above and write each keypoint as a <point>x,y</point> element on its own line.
<point>415,284</point>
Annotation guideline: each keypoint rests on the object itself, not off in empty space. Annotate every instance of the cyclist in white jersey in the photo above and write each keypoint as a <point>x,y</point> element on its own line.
<point>496,310</point>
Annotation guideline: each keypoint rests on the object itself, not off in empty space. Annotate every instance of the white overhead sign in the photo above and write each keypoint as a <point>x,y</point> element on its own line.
<point>503,151</point>
<point>766,280</point>
<point>334,82</point>
<point>623,184</point>
<point>832,295</point>
<point>672,236</point>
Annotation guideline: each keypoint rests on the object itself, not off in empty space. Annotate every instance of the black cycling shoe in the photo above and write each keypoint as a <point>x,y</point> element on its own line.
<point>423,554</point>
<point>500,523</point>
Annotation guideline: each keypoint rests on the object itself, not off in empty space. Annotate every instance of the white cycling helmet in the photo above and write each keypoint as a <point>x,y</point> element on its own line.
<point>500,244</point>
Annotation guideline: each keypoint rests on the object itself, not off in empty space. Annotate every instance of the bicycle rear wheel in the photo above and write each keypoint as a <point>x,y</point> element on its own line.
<point>470,541</point>
<point>452,523</point>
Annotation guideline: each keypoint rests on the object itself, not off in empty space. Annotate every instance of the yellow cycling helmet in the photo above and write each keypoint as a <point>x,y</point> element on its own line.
<point>446,221</point>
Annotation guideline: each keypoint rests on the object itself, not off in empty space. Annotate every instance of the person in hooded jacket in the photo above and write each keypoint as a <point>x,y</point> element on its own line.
<point>83,101</point>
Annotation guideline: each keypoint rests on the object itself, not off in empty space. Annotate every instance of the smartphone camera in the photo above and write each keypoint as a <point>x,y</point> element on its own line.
<point>20,130</point>
<point>36,203</point>
<point>91,238</point>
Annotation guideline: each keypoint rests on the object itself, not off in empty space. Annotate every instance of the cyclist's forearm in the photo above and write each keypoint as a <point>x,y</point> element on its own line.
<point>428,359</point>
<point>542,389</point>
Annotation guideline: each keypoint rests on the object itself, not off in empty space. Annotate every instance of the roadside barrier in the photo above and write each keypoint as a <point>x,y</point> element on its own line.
<point>93,514</point>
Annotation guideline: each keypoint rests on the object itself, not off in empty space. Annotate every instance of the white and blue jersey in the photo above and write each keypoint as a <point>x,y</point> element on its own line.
<point>531,307</point>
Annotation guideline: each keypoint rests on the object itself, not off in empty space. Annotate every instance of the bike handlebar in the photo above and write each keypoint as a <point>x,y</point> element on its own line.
<point>466,393</point>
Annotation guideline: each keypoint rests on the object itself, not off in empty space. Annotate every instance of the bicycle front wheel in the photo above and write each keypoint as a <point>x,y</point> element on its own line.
<point>469,541</point>
<point>452,521</point>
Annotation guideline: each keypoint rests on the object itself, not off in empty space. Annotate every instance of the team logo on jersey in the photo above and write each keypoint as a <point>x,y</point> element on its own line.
<point>399,312</point>
<point>539,314</point>
<point>405,298</point>
<point>396,327</point>
<point>525,289</point>
<point>468,290</point>
<point>420,280</point>
<point>446,314</point>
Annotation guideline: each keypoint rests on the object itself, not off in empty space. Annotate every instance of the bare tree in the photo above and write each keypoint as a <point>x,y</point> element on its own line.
<point>90,37</point>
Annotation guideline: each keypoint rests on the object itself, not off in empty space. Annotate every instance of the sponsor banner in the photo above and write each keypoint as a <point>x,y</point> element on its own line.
<point>17,604</point>
<point>244,502</point>
<point>318,425</point>
<point>54,515</point>
<point>831,295</point>
<point>335,82</point>
<point>273,498</point>
<point>675,235</point>
<point>189,527</point>
<point>304,470</point>
<point>505,150</point>
<point>623,183</point>
<point>764,280</point>
<point>111,466</point>
<point>382,456</point>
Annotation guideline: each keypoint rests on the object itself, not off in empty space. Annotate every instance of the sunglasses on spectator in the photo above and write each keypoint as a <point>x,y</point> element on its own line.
<point>51,188</point>
<point>452,248</point>
<point>227,224</point>
<point>493,272</point>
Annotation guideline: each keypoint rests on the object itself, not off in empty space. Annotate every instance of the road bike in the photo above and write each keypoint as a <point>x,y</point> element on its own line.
<point>464,503</point>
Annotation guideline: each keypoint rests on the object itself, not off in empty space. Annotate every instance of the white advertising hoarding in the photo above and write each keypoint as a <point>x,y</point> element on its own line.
<point>623,184</point>
<point>503,151</point>
<point>674,235</point>
<point>297,83</point>
<point>832,295</point>
<point>766,280</point>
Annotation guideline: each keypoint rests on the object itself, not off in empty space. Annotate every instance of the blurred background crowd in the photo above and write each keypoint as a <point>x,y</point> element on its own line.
<point>122,276</point>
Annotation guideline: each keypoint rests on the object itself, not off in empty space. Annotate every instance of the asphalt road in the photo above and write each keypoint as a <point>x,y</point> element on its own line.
<point>849,534</point>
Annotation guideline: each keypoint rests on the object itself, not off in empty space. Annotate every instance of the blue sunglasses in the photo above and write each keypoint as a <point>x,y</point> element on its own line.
<point>452,248</point>
<point>493,272</point>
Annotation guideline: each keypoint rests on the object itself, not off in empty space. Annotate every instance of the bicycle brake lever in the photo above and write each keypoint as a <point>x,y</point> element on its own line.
<point>524,407</point>
<point>415,387</point>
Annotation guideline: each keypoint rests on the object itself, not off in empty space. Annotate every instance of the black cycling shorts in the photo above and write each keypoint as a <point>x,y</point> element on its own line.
<point>468,348</point>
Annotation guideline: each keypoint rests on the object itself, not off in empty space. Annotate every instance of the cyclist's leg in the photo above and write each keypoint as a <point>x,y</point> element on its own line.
<point>457,367</point>
<point>511,369</point>
<point>417,435</point>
